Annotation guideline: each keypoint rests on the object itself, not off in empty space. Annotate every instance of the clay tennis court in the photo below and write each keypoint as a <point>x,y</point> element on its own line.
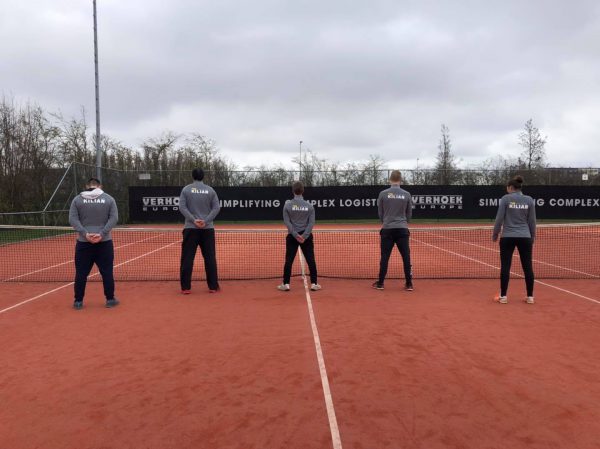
<point>251,367</point>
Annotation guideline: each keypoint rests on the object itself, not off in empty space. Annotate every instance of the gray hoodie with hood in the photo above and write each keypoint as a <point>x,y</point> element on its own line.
<point>93,212</point>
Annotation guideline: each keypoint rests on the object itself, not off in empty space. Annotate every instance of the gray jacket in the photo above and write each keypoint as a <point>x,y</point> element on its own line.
<point>516,216</point>
<point>93,212</point>
<point>394,207</point>
<point>199,202</point>
<point>299,215</point>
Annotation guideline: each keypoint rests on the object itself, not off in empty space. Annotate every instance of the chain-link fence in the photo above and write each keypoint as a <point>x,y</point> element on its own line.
<point>61,186</point>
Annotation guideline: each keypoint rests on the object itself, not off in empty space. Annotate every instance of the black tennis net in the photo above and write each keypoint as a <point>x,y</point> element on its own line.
<point>45,254</point>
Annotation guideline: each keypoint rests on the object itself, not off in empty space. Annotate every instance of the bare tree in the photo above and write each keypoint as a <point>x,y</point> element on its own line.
<point>534,152</point>
<point>446,166</point>
<point>374,170</point>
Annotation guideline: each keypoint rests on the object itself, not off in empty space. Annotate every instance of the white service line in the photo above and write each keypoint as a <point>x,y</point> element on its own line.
<point>92,275</point>
<point>333,425</point>
<point>512,272</point>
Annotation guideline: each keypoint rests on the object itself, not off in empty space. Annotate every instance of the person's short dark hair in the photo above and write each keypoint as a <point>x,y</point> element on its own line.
<point>198,174</point>
<point>94,181</point>
<point>395,176</point>
<point>516,182</point>
<point>298,188</point>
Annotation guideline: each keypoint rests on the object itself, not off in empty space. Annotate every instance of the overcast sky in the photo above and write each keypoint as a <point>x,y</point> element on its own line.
<point>349,78</point>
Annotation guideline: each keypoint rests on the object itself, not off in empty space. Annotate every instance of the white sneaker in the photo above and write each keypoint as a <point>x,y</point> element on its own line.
<point>315,287</point>
<point>530,300</point>
<point>284,287</point>
<point>502,299</point>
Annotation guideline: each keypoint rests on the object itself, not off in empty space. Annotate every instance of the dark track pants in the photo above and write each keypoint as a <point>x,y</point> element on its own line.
<point>389,238</point>
<point>192,238</point>
<point>507,248</point>
<point>308,249</point>
<point>86,255</point>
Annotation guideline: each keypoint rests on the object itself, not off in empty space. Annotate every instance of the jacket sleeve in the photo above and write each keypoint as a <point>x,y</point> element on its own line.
<point>499,218</point>
<point>287,221</point>
<point>531,220</point>
<point>409,208</point>
<point>215,207</point>
<point>183,207</point>
<point>380,207</point>
<point>74,219</point>
<point>311,223</point>
<point>113,218</point>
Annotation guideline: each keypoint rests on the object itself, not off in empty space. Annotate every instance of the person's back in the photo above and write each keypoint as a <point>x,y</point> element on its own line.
<point>300,214</point>
<point>199,204</point>
<point>519,215</point>
<point>516,222</point>
<point>299,219</point>
<point>394,207</point>
<point>95,212</point>
<point>198,201</point>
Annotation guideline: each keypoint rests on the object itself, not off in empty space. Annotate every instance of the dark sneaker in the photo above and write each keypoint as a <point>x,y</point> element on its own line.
<point>78,305</point>
<point>112,302</point>
<point>214,290</point>
<point>186,292</point>
<point>377,286</point>
<point>409,287</point>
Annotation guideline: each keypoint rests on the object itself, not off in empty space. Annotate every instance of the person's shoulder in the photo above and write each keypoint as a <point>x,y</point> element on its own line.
<point>404,191</point>
<point>107,196</point>
<point>76,203</point>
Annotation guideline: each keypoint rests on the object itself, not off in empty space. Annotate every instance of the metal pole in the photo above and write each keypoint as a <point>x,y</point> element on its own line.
<point>98,151</point>
<point>300,163</point>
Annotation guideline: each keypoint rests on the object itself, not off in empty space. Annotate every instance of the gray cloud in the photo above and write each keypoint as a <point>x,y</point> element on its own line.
<point>349,79</point>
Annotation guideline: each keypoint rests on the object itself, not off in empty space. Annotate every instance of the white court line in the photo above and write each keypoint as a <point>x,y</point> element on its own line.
<point>71,261</point>
<point>35,297</point>
<point>95,274</point>
<point>515,256</point>
<point>568,291</point>
<point>333,425</point>
<point>512,272</point>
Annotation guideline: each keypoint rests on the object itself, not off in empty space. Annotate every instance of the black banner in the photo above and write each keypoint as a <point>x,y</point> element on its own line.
<point>161,204</point>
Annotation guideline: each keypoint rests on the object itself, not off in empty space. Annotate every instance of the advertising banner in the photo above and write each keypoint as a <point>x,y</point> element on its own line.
<point>161,204</point>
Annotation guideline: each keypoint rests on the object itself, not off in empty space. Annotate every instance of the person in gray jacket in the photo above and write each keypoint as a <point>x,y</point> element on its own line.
<point>516,219</point>
<point>199,205</point>
<point>394,207</point>
<point>299,218</point>
<point>93,214</point>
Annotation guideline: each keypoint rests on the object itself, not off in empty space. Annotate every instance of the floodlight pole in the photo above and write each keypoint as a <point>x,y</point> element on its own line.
<point>98,151</point>
<point>300,163</point>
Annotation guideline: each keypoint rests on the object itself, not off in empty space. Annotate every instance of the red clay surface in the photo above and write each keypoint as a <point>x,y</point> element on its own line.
<point>441,367</point>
